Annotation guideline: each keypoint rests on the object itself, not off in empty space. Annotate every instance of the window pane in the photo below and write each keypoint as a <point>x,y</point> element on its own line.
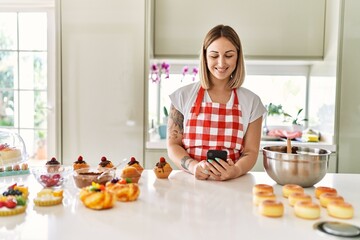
<point>7,108</point>
<point>288,91</point>
<point>32,31</point>
<point>33,74</point>
<point>8,33</point>
<point>8,70</point>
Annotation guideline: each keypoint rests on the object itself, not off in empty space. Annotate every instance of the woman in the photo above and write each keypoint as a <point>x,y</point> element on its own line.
<point>216,113</point>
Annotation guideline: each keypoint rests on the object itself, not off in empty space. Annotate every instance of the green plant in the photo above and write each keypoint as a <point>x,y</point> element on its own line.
<point>296,120</point>
<point>273,110</point>
<point>166,113</point>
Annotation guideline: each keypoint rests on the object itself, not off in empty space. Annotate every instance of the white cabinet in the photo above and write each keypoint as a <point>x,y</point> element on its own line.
<point>102,58</point>
<point>268,28</point>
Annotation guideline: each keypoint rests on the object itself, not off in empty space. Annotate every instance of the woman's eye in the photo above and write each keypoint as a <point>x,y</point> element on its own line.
<point>213,56</point>
<point>229,56</point>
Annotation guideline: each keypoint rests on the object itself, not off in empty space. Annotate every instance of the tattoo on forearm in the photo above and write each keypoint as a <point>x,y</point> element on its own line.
<point>177,118</point>
<point>185,162</point>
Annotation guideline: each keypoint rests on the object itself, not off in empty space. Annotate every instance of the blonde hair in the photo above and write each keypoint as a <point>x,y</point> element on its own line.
<point>238,76</point>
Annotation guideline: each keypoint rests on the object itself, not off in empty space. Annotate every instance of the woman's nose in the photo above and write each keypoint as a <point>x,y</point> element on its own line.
<point>222,61</point>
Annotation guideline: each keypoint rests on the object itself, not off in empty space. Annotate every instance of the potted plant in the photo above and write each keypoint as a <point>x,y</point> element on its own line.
<point>274,112</point>
<point>296,120</point>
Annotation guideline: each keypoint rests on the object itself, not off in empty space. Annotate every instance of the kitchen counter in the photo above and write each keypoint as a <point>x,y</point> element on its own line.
<point>161,144</point>
<point>180,207</point>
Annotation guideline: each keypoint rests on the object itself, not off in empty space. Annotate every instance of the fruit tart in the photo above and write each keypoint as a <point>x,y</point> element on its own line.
<point>13,201</point>
<point>105,164</point>
<point>162,168</point>
<point>134,163</point>
<point>48,197</point>
<point>97,197</point>
<point>123,191</point>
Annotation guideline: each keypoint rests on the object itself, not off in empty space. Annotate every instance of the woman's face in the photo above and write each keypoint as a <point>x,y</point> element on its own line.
<point>221,57</point>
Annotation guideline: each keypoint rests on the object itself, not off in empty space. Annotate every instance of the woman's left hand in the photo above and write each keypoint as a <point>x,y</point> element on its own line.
<point>221,170</point>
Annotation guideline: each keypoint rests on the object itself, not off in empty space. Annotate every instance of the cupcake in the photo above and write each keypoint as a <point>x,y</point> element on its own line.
<point>80,163</point>
<point>135,164</point>
<point>53,165</point>
<point>162,169</point>
<point>105,164</point>
<point>130,175</point>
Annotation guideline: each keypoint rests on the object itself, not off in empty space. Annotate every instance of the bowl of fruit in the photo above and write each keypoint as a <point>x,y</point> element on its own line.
<point>51,179</point>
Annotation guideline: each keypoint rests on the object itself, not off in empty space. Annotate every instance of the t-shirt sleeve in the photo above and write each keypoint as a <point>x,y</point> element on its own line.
<point>257,110</point>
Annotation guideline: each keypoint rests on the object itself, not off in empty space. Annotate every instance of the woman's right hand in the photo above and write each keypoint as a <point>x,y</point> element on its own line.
<point>201,171</point>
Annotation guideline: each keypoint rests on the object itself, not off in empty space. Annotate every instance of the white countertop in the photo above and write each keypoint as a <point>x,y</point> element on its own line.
<point>161,144</point>
<point>180,207</point>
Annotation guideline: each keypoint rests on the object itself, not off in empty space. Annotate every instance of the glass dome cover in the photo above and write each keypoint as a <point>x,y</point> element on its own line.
<point>12,148</point>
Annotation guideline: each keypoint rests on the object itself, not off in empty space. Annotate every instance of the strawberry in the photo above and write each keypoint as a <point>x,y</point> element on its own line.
<point>56,177</point>
<point>2,204</point>
<point>10,203</point>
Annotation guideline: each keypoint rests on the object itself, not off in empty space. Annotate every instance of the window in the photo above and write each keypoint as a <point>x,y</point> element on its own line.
<point>287,85</point>
<point>26,75</point>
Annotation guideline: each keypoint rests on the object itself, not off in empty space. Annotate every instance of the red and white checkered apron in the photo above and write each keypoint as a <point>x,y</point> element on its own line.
<point>213,126</point>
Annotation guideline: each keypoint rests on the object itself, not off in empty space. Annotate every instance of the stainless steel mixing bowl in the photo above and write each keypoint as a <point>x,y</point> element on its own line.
<point>303,166</point>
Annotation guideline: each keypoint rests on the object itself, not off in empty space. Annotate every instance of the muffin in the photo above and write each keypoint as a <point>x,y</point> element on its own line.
<point>162,169</point>
<point>53,165</point>
<point>135,164</point>
<point>80,163</point>
<point>105,164</point>
<point>130,174</point>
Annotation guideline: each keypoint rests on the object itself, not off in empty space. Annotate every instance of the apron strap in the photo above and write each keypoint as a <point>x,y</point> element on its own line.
<point>236,100</point>
<point>198,100</point>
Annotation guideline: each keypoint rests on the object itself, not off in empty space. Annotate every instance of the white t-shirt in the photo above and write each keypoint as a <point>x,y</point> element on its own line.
<point>251,106</point>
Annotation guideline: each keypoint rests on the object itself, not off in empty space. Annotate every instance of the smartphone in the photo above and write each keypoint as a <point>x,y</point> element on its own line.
<point>212,154</point>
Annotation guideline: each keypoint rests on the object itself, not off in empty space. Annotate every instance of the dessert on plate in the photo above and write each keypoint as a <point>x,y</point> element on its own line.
<point>162,168</point>
<point>130,175</point>
<point>13,201</point>
<point>80,163</point>
<point>48,197</point>
<point>97,197</point>
<point>123,191</point>
<point>134,163</point>
<point>105,164</point>
<point>9,155</point>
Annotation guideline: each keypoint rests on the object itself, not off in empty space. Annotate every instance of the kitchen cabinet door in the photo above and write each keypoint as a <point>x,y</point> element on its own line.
<point>276,29</point>
<point>102,70</point>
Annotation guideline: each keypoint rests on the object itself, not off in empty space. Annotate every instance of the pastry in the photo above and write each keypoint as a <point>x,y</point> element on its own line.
<point>130,175</point>
<point>105,164</point>
<point>291,188</point>
<point>9,155</point>
<point>48,197</point>
<point>262,196</point>
<point>135,164</point>
<point>321,190</point>
<point>13,201</point>
<point>262,188</point>
<point>123,192</point>
<point>307,210</point>
<point>162,168</point>
<point>97,197</point>
<point>340,209</point>
<point>271,208</point>
<point>298,196</point>
<point>80,163</point>
<point>53,165</point>
<point>326,198</point>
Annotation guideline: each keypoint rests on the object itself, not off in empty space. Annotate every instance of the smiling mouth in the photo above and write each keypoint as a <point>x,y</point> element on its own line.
<point>221,70</point>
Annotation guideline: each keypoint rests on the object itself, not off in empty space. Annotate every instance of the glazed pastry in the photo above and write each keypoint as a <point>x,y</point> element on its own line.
<point>271,208</point>
<point>262,196</point>
<point>262,188</point>
<point>97,197</point>
<point>53,165</point>
<point>321,190</point>
<point>298,196</point>
<point>48,197</point>
<point>326,198</point>
<point>162,168</point>
<point>123,192</point>
<point>80,163</point>
<point>130,175</point>
<point>291,188</point>
<point>135,164</point>
<point>105,164</point>
<point>307,210</point>
<point>340,209</point>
